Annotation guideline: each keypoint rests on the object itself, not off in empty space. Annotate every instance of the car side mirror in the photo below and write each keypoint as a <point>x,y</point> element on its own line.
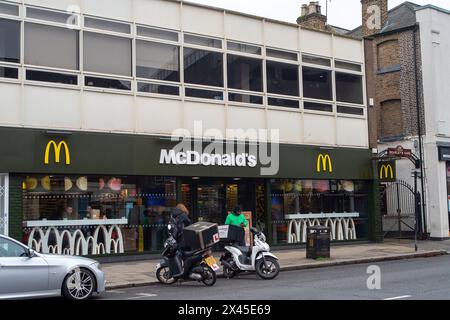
<point>30,253</point>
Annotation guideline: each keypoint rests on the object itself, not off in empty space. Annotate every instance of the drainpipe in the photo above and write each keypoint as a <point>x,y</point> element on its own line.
<point>419,128</point>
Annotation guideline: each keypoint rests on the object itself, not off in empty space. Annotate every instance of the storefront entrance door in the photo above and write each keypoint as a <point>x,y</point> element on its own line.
<point>4,204</point>
<point>212,199</point>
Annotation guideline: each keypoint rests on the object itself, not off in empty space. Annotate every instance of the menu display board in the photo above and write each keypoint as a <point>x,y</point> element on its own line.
<point>248,235</point>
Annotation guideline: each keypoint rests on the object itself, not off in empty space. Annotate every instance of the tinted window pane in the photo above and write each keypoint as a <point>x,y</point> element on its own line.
<point>106,25</point>
<point>51,46</point>
<point>281,54</point>
<point>317,83</point>
<point>282,78</point>
<point>244,73</point>
<point>202,41</point>
<point>6,8</point>
<point>317,106</point>
<point>10,73</point>
<point>243,48</point>
<point>157,61</point>
<point>316,60</point>
<point>60,17</point>
<point>349,88</point>
<point>245,98</point>
<point>350,110</point>
<point>203,67</point>
<point>54,77</point>
<point>347,65</point>
<point>107,54</point>
<point>205,94</point>
<point>158,88</point>
<point>157,33</point>
<point>107,83</point>
<point>9,41</point>
<point>284,103</point>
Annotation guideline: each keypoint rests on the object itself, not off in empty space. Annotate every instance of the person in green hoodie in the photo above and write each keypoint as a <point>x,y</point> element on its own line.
<point>237,218</point>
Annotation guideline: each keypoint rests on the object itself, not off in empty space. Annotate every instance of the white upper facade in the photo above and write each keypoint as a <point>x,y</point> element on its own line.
<point>100,74</point>
<point>435,47</point>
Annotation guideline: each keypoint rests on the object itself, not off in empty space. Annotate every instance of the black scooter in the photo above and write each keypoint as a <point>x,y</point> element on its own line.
<point>188,265</point>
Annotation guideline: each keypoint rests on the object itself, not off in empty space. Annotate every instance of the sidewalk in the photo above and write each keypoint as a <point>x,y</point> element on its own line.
<point>140,273</point>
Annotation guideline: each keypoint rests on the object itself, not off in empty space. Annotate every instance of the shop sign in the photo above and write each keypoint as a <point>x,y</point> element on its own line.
<point>444,153</point>
<point>57,148</point>
<point>194,158</point>
<point>324,163</point>
<point>400,152</point>
<point>387,171</point>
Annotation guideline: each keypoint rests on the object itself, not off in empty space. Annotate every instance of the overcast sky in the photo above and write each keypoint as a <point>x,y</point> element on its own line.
<point>342,13</point>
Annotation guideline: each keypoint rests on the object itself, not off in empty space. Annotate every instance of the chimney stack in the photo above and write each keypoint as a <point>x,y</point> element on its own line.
<point>312,17</point>
<point>374,16</point>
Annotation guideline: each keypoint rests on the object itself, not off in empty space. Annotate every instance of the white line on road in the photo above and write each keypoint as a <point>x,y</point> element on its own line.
<point>397,298</point>
<point>115,291</point>
<point>142,295</point>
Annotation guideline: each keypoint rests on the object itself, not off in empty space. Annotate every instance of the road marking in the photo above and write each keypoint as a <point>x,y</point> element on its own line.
<point>397,298</point>
<point>142,295</point>
<point>115,291</point>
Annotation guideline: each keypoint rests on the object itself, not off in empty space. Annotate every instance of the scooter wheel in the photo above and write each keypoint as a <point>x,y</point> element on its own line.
<point>163,276</point>
<point>228,272</point>
<point>272,270</point>
<point>209,276</point>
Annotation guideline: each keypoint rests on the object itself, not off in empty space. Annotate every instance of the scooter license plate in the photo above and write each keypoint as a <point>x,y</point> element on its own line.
<point>211,262</point>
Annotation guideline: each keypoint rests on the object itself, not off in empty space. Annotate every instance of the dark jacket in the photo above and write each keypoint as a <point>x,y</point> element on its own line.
<point>181,221</point>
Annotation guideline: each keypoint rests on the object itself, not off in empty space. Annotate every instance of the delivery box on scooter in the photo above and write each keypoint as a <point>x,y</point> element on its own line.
<point>231,233</point>
<point>201,235</point>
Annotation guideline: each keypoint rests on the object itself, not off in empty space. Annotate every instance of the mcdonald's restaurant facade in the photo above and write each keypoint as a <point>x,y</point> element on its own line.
<point>86,165</point>
<point>95,193</point>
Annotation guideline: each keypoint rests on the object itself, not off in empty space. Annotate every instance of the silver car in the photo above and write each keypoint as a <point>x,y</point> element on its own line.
<point>25,273</point>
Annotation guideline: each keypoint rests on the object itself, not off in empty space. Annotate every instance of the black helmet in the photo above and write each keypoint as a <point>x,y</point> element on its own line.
<point>237,210</point>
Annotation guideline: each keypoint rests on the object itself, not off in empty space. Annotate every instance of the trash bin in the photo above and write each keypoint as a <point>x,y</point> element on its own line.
<point>318,242</point>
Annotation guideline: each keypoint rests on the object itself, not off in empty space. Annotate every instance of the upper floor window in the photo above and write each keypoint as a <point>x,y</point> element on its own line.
<point>203,41</point>
<point>9,9</point>
<point>107,25</point>
<point>282,78</point>
<point>317,83</point>
<point>349,88</point>
<point>9,41</point>
<point>157,61</point>
<point>157,33</point>
<point>244,73</point>
<point>348,66</point>
<point>281,54</point>
<point>49,46</point>
<point>107,54</point>
<point>203,67</point>
<point>316,60</point>
<point>53,16</point>
<point>244,48</point>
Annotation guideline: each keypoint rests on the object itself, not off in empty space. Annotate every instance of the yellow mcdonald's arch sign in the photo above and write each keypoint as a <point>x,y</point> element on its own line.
<point>324,163</point>
<point>57,149</point>
<point>386,172</point>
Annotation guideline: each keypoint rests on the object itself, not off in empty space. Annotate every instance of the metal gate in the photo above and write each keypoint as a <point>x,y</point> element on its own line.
<point>398,207</point>
<point>4,182</point>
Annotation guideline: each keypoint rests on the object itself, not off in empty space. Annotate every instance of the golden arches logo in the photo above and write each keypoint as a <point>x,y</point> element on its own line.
<point>57,149</point>
<point>386,172</point>
<point>324,163</point>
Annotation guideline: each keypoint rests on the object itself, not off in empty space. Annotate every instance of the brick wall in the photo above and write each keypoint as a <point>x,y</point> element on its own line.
<point>15,207</point>
<point>392,84</point>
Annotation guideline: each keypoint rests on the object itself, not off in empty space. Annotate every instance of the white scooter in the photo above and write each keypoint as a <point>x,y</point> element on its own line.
<point>240,259</point>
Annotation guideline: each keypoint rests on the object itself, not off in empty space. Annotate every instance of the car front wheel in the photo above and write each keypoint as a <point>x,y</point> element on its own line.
<point>78,285</point>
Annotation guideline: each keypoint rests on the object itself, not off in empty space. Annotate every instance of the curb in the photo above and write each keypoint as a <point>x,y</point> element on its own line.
<point>408,256</point>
